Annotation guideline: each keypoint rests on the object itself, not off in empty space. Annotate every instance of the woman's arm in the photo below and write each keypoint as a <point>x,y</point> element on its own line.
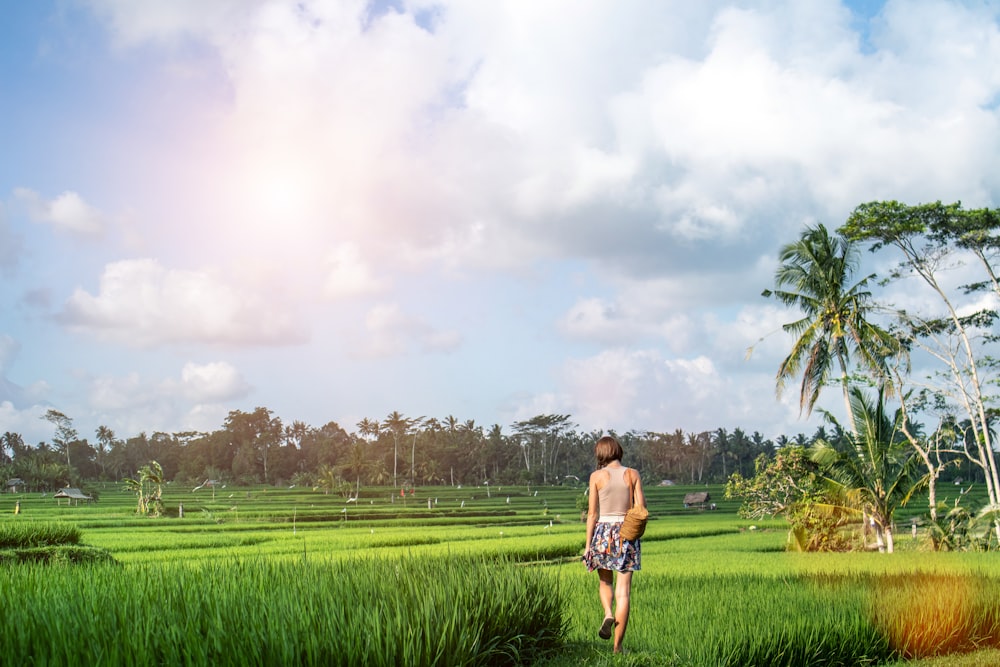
<point>638,497</point>
<point>593,509</point>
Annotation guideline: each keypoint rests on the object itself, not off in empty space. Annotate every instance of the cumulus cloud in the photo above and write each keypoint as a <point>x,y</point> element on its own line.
<point>194,400</point>
<point>622,389</point>
<point>142,303</point>
<point>167,22</point>
<point>212,383</point>
<point>630,133</point>
<point>348,274</point>
<point>67,212</point>
<point>698,129</point>
<point>392,332</point>
<point>26,421</point>
<point>667,148</point>
<point>198,383</point>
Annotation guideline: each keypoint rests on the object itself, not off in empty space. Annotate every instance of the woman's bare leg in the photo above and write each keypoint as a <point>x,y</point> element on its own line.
<point>623,591</point>
<point>606,590</point>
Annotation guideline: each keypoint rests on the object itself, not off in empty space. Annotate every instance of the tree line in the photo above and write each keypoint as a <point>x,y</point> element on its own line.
<point>256,447</point>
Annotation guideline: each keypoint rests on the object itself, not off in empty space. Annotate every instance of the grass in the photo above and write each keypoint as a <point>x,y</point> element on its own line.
<point>402,611</point>
<point>714,589</point>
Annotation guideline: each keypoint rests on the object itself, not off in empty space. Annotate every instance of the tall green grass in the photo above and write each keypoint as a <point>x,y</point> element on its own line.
<point>402,611</point>
<point>744,618</point>
<point>26,534</point>
<point>275,577</point>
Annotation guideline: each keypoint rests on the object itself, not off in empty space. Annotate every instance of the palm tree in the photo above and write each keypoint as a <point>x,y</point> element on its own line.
<point>105,436</point>
<point>874,474</point>
<point>817,270</point>
<point>369,428</point>
<point>327,479</point>
<point>398,425</point>
<point>415,424</point>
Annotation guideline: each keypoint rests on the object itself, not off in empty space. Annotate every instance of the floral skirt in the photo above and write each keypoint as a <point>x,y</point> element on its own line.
<point>608,551</point>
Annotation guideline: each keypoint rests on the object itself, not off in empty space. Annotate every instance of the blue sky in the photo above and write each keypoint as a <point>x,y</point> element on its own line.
<point>488,210</point>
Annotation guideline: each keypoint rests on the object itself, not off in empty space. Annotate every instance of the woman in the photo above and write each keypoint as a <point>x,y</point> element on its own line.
<point>613,489</point>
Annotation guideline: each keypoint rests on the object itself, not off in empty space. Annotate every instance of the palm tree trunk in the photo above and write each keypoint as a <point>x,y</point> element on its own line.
<point>847,395</point>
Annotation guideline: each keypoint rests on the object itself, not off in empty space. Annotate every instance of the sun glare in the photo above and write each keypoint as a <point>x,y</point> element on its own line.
<point>279,196</point>
<point>282,196</point>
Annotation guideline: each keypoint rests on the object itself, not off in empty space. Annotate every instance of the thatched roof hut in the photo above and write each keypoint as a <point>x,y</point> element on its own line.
<point>71,495</point>
<point>696,499</point>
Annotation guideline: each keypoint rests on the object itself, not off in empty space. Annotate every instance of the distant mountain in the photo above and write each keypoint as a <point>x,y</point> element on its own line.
<point>13,393</point>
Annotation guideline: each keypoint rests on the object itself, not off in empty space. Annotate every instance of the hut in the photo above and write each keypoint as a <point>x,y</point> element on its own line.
<point>71,495</point>
<point>13,483</point>
<point>697,499</point>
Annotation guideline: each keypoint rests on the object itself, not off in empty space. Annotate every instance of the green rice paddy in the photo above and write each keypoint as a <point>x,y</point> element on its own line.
<point>466,576</point>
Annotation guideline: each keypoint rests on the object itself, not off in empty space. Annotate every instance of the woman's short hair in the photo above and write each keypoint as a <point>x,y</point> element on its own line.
<point>606,450</point>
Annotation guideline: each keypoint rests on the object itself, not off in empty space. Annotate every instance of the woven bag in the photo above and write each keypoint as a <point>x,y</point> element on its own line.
<point>635,523</point>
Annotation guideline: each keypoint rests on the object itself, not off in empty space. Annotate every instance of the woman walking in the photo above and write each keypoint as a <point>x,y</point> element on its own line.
<point>613,490</point>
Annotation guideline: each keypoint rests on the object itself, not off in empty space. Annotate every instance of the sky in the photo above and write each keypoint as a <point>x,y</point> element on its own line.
<point>337,210</point>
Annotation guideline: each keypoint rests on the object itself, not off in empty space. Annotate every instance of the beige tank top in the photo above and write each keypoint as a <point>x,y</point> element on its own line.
<point>615,498</point>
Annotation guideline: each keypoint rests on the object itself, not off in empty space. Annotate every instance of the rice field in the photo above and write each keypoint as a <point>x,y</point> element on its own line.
<point>453,576</point>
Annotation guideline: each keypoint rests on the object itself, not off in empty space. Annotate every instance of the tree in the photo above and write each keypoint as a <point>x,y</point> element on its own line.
<point>11,445</point>
<point>65,433</point>
<point>398,426</point>
<point>253,435</point>
<point>818,270</point>
<point>874,473</point>
<point>541,433</point>
<point>415,425</point>
<point>698,450</point>
<point>789,484</point>
<point>779,484</point>
<point>934,240</point>
<point>148,487</point>
<point>369,429</point>
<point>105,438</point>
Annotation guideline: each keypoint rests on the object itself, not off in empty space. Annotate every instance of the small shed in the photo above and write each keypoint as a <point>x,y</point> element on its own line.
<point>13,483</point>
<point>697,499</point>
<point>73,496</point>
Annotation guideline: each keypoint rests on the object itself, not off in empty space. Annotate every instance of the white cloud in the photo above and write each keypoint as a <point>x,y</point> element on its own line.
<point>117,394</point>
<point>142,303</point>
<point>670,148</point>
<point>166,22</point>
<point>67,212</point>
<point>131,403</point>
<point>27,422</point>
<point>349,275</point>
<point>212,383</point>
<point>512,130</point>
<point>392,332</point>
<point>641,389</point>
